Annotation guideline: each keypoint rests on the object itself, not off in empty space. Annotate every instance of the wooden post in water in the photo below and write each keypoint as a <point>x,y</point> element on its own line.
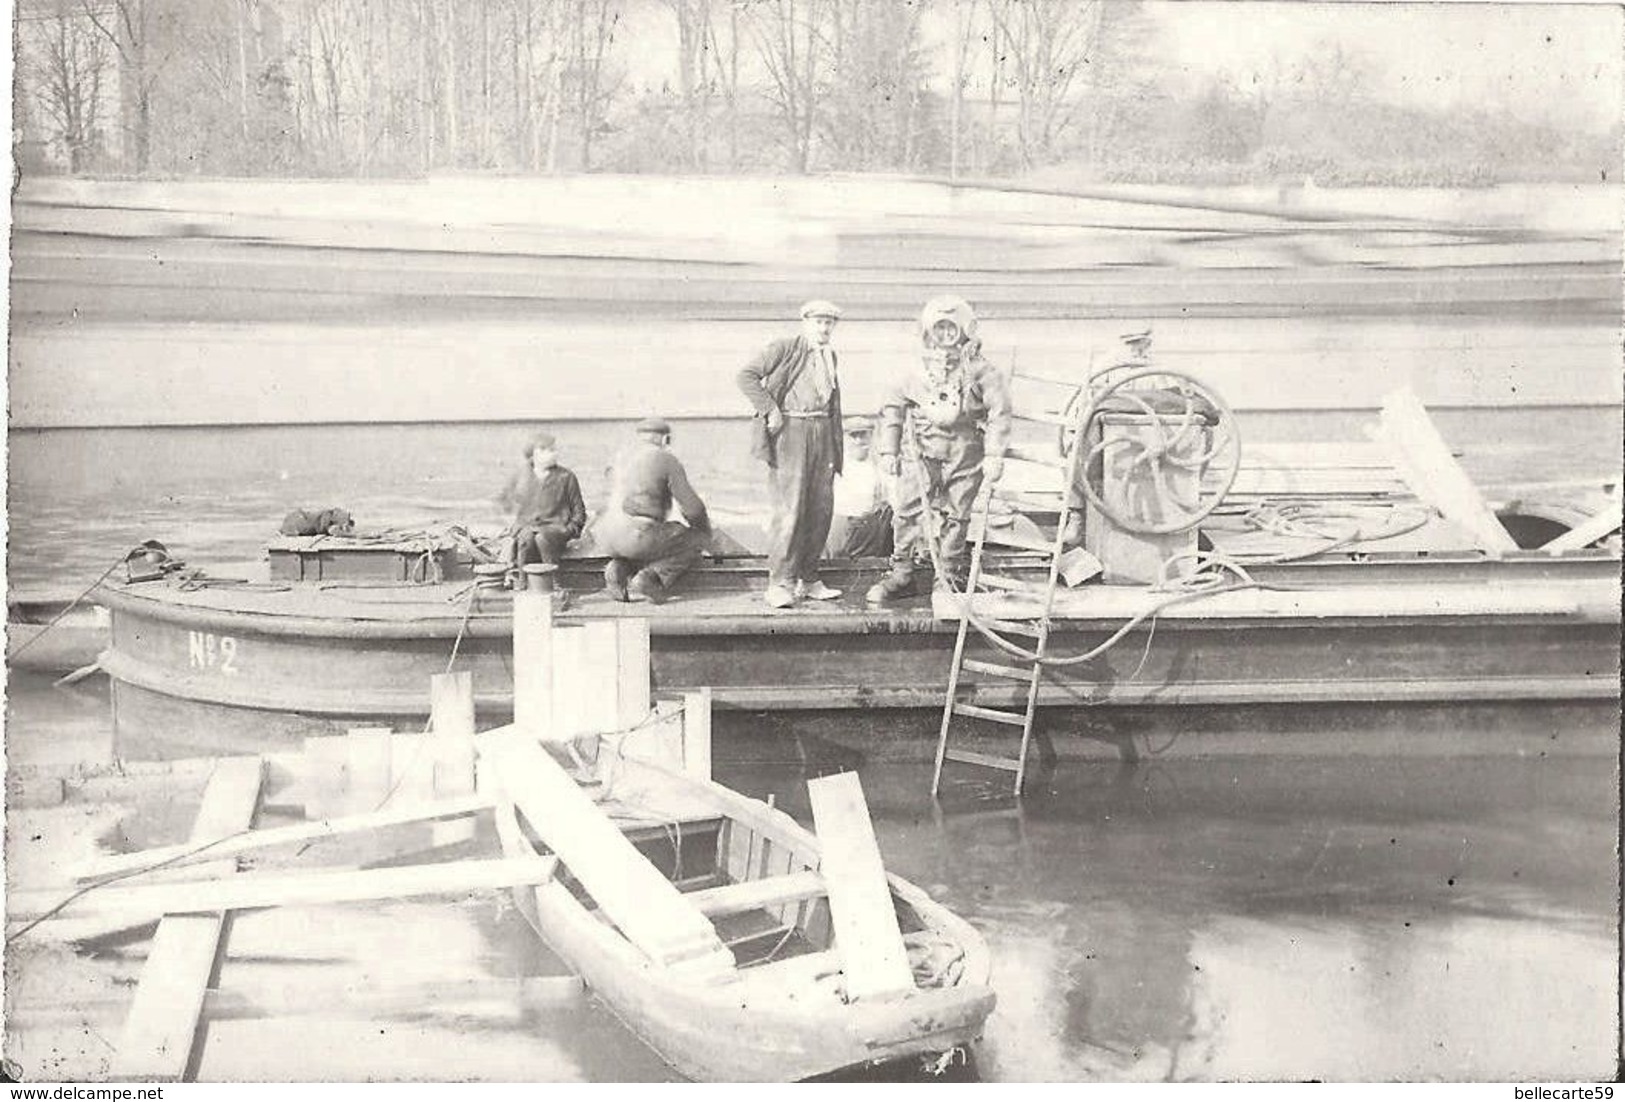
<point>533,652</point>
<point>697,733</point>
<point>370,758</point>
<point>451,727</point>
<point>161,1028</point>
<point>632,672</point>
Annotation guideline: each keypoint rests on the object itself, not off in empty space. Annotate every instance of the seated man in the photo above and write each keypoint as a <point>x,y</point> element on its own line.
<point>547,505</point>
<point>649,553</point>
<point>862,527</point>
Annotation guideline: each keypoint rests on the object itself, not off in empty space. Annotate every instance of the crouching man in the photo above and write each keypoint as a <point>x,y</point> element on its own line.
<point>946,419</point>
<point>648,552</point>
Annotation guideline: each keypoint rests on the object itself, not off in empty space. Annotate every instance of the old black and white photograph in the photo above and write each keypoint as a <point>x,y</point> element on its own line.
<point>863,541</point>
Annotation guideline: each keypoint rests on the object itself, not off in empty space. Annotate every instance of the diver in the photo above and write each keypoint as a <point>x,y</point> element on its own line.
<point>945,426</point>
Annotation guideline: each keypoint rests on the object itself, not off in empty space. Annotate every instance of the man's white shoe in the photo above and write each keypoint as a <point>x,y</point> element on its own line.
<point>817,591</point>
<point>778,596</point>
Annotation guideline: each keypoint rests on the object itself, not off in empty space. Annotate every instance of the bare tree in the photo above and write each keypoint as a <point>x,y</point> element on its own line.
<point>964,35</point>
<point>695,57</point>
<point>64,60</point>
<point>137,30</point>
<point>591,81</point>
<point>876,83</point>
<point>792,41</point>
<point>728,75</point>
<point>1049,43</point>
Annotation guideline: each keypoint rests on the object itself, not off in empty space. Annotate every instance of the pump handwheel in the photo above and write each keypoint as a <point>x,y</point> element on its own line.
<point>1176,461</point>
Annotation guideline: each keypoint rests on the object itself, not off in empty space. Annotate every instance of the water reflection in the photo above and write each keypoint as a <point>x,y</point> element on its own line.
<point>1273,918</point>
<point>1224,918</point>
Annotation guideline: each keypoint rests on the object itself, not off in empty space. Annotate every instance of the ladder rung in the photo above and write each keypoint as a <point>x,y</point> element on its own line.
<point>1030,455</point>
<point>995,714</point>
<point>1015,673</point>
<point>1043,416</point>
<point>1009,585</point>
<point>971,757</point>
<point>1027,376</point>
<point>1047,500</point>
<point>1012,627</point>
<point>1007,537</point>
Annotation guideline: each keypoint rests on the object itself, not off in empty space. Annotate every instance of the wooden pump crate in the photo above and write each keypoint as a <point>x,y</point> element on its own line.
<point>334,558</point>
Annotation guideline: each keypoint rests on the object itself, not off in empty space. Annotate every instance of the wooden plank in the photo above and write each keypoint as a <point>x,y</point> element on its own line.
<point>239,843</point>
<point>569,671</point>
<point>600,672</point>
<point>161,1028</point>
<point>1603,524</point>
<point>631,892</point>
<point>1424,460</point>
<point>697,734</point>
<point>451,766</point>
<point>866,932</point>
<point>317,886</point>
<point>791,976</point>
<point>533,663</point>
<point>411,770</point>
<point>370,752</point>
<point>326,776</point>
<point>632,666</point>
<point>755,894</point>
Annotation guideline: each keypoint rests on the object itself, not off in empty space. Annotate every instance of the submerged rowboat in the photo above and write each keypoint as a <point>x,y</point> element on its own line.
<point>783,1010</point>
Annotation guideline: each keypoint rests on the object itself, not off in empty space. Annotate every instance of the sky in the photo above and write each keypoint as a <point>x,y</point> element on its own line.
<point>1537,58</point>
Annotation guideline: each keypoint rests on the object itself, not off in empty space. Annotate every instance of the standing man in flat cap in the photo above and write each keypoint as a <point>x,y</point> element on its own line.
<point>793,385</point>
<point>648,550</point>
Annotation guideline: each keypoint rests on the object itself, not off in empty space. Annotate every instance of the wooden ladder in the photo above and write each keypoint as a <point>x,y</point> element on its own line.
<point>1034,630</point>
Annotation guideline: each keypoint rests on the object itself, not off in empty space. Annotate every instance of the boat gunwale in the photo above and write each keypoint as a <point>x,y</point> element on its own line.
<point>849,1034</point>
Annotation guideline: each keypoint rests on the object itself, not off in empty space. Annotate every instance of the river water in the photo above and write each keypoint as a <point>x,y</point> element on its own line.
<point>1267,917</point>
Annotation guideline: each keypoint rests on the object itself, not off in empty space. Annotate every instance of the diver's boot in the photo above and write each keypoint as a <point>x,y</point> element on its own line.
<point>615,582</point>
<point>648,585</point>
<point>901,582</point>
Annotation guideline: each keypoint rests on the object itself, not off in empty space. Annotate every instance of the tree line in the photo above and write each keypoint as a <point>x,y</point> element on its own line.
<point>957,87</point>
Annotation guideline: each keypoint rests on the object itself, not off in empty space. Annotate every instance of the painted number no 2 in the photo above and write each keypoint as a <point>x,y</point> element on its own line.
<point>208,651</point>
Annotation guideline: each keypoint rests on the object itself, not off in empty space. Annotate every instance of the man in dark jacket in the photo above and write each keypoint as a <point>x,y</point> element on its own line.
<point>649,552</point>
<point>793,386</point>
<point>547,505</point>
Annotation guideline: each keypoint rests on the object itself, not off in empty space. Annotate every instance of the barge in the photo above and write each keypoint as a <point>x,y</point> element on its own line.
<point>247,667</point>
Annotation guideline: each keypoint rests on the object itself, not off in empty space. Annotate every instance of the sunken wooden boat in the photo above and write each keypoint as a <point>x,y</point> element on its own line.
<point>779,1009</point>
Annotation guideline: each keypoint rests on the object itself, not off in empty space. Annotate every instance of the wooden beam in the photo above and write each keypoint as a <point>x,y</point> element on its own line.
<point>533,661</point>
<point>1424,460</point>
<point>632,669</point>
<point>388,999</point>
<point>631,892</point>
<point>240,843</point>
<point>860,904</point>
<point>750,895</point>
<point>318,886</point>
<point>161,1028</point>
<point>370,752</point>
<point>1603,524</point>
<point>697,734</point>
<point>451,726</point>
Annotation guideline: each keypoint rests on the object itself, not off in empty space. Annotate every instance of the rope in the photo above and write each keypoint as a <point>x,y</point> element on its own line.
<point>69,607</point>
<point>114,878</point>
